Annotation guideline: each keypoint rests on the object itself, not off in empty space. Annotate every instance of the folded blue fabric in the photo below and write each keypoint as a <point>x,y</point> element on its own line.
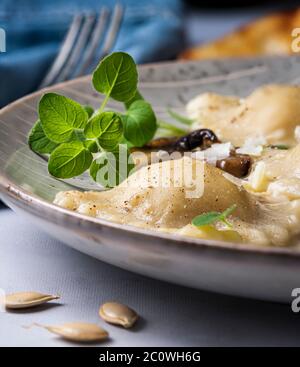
<point>151,30</point>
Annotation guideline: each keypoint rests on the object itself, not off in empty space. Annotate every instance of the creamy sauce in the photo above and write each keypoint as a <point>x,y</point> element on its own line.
<point>268,200</point>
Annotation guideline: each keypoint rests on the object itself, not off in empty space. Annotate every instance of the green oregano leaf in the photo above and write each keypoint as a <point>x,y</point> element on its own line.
<point>107,128</point>
<point>213,217</point>
<point>60,117</point>
<point>116,76</point>
<point>38,141</point>
<point>139,123</point>
<point>69,160</point>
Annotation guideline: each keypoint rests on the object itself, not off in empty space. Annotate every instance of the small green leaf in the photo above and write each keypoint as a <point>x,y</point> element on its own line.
<point>139,123</point>
<point>69,160</point>
<point>111,168</point>
<point>116,76</point>
<point>206,219</point>
<point>38,141</point>
<point>213,217</point>
<point>107,128</point>
<point>89,110</point>
<point>180,118</point>
<point>60,116</point>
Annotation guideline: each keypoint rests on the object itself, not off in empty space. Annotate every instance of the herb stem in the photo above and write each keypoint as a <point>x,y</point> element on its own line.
<point>165,125</point>
<point>103,104</point>
<point>180,118</point>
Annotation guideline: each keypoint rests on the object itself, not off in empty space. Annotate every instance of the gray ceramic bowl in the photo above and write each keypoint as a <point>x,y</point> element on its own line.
<point>245,270</point>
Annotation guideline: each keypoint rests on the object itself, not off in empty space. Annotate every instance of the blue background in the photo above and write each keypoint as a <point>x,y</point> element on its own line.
<point>151,30</point>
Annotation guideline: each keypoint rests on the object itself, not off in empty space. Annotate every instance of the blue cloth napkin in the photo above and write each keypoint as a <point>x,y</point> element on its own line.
<point>151,30</point>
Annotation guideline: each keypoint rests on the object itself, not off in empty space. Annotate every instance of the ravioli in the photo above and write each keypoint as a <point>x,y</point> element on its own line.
<point>272,111</point>
<point>259,219</point>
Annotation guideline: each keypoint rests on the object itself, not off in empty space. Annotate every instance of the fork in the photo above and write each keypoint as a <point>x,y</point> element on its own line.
<point>82,42</point>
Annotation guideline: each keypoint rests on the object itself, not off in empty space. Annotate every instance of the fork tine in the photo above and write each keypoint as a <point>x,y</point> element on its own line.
<point>83,37</point>
<point>81,44</point>
<point>113,31</point>
<point>63,53</point>
<point>94,42</point>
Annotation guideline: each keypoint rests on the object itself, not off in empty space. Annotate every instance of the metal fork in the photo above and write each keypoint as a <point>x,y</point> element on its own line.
<point>82,42</point>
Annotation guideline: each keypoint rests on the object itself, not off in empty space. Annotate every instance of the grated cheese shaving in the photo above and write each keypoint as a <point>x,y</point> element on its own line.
<point>253,146</point>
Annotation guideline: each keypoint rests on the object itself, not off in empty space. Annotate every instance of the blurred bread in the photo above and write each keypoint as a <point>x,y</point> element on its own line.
<point>270,35</point>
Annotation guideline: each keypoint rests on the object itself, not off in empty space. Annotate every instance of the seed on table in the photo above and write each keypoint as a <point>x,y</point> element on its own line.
<point>119,314</point>
<point>78,331</point>
<point>26,299</point>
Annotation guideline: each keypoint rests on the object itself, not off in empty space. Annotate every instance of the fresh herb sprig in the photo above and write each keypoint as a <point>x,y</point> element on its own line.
<point>213,217</point>
<point>72,133</point>
<point>79,139</point>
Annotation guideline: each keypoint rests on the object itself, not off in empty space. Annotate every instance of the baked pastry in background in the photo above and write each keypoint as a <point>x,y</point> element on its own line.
<point>270,35</point>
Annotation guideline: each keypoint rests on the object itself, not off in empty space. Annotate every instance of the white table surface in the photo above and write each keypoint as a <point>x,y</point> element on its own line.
<point>171,315</point>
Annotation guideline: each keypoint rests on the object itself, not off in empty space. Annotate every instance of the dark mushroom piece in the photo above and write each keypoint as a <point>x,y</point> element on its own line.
<point>237,165</point>
<point>202,138</point>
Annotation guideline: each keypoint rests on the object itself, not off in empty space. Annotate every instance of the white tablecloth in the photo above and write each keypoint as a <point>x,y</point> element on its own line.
<point>171,315</point>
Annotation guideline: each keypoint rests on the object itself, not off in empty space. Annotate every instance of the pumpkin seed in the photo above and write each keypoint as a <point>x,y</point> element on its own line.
<point>78,331</point>
<point>25,299</point>
<point>116,313</point>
